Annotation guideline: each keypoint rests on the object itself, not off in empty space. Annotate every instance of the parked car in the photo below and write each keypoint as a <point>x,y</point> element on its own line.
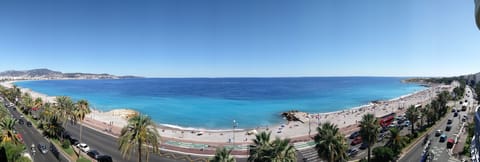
<point>356,141</point>
<point>93,154</point>
<point>449,121</point>
<point>438,133</point>
<point>354,135</point>
<point>406,124</point>
<point>352,152</point>
<point>84,147</point>
<point>448,128</point>
<point>42,148</point>
<point>104,158</point>
<point>363,146</point>
<point>20,137</point>
<point>29,124</point>
<point>455,114</point>
<point>74,141</point>
<point>20,121</point>
<point>443,137</point>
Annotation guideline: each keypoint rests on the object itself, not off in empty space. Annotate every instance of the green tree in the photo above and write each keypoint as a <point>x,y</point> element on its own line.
<point>396,142</point>
<point>412,116</point>
<point>383,154</point>
<point>423,115</point>
<point>369,131</point>
<point>65,111</point>
<point>11,152</point>
<point>330,143</point>
<point>82,108</point>
<point>8,125</point>
<point>278,150</point>
<point>27,102</point>
<point>38,102</point>
<point>260,147</point>
<point>223,155</point>
<point>140,134</point>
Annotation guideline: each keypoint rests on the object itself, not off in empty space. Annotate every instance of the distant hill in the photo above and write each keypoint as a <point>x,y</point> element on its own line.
<point>472,78</point>
<point>50,74</point>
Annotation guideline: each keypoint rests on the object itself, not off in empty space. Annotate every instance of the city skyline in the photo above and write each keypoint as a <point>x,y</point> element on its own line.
<point>241,39</point>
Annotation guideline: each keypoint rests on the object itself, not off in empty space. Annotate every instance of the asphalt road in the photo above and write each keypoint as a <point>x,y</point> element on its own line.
<point>32,136</point>
<point>437,148</point>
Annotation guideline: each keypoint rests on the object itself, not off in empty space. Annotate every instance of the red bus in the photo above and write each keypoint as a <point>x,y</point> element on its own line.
<point>386,120</point>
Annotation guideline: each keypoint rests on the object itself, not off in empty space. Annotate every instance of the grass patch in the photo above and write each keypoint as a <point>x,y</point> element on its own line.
<point>68,150</point>
<point>82,159</point>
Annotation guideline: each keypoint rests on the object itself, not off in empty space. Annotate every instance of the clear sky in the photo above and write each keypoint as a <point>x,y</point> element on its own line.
<point>227,38</point>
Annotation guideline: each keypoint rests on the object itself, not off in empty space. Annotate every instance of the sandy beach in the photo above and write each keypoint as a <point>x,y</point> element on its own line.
<point>113,121</point>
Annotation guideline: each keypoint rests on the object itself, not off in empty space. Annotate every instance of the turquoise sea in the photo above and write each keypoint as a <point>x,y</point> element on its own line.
<point>214,103</point>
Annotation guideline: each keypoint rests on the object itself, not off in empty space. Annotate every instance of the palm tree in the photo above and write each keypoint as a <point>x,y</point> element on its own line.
<point>27,102</point>
<point>65,111</point>
<point>330,143</point>
<point>38,102</point>
<point>424,114</point>
<point>369,131</point>
<point>283,151</point>
<point>279,150</point>
<point>8,135</point>
<point>82,108</point>
<point>396,142</point>
<point>223,155</point>
<point>412,116</point>
<point>260,146</point>
<point>140,134</point>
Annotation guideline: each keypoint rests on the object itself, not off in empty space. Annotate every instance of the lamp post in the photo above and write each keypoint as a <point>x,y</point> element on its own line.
<point>235,124</point>
<point>309,126</point>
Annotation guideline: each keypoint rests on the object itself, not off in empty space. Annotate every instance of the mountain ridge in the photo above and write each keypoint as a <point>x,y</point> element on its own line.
<point>44,73</point>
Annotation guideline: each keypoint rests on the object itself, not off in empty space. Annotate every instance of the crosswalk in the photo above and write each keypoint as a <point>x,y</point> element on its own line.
<point>310,155</point>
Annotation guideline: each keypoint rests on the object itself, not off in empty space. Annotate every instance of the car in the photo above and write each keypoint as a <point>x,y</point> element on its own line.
<point>363,146</point>
<point>454,110</point>
<point>20,137</point>
<point>406,124</point>
<point>29,124</point>
<point>448,128</point>
<point>455,114</point>
<point>104,158</point>
<point>438,133</point>
<point>443,137</point>
<point>356,141</point>
<point>352,152</point>
<point>464,108</point>
<point>449,121</point>
<point>84,147</point>
<point>42,148</point>
<point>354,135</point>
<point>74,141</point>
<point>20,121</point>
<point>93,154</point>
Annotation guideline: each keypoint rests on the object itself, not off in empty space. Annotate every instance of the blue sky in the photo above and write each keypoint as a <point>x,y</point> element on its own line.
<point>223,38</point>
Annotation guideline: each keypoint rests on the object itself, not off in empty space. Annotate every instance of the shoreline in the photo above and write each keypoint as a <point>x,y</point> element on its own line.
<point>295,130</point>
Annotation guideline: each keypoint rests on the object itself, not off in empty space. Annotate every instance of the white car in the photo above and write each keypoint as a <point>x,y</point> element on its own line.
<point>84,147</point>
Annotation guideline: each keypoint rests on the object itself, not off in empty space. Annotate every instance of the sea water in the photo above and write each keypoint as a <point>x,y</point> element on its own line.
<point>214,103</point>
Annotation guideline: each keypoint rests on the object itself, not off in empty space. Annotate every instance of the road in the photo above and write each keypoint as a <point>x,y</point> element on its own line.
<point>107,144</point>
<point>437,148</point>
<point>32,136</point>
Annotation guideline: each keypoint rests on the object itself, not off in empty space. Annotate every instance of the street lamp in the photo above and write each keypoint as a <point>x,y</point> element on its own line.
<point>235,124</point>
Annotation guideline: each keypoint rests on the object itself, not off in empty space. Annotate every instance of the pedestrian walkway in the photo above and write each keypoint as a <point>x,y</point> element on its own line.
<point>304,145</point>
<point>310,155</point>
